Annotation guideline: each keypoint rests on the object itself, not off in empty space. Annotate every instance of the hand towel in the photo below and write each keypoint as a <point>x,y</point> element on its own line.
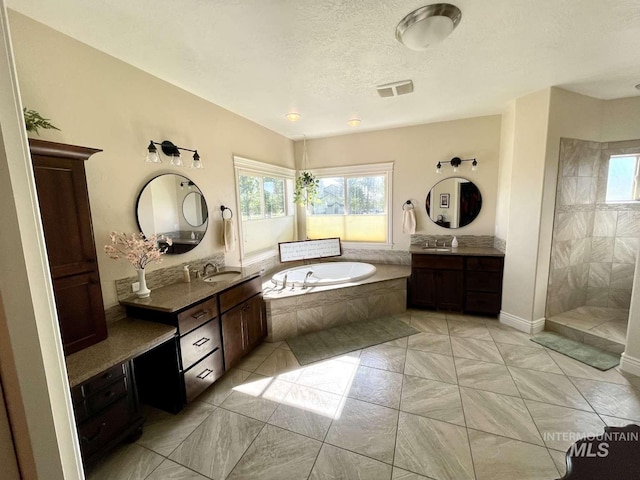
<point>228,234</point>
<point>408,221</point>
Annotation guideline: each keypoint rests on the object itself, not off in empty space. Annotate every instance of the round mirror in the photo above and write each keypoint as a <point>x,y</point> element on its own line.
<point>194,209</point>
<point>173,206</point>
<point>454,202</point>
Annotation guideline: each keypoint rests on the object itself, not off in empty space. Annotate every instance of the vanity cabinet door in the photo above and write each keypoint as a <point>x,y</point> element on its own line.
<point>255,320</point>
<point>423,288</point>
<point>233,336</point>
<point>449,288</point>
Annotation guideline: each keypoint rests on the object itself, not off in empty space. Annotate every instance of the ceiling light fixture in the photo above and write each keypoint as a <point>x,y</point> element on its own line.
<point>172,151</point>
<point>354,122</point>
<point>455,162</point>
<point>428,25</point>
<point>293,116</point>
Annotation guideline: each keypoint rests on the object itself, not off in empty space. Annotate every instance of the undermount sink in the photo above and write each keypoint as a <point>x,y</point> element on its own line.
<point>222,276</point>
<point>436,249</point>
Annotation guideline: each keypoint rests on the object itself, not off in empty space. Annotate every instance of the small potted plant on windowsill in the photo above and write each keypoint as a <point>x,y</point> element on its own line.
<point>306,189</point>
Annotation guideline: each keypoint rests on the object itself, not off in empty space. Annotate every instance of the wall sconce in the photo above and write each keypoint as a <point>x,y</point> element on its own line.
<point>188,183</point>
<point>455,162</point>
<point>172,151</point>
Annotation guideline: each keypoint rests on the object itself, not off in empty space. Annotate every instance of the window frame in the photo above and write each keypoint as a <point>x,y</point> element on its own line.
<point>242,165</point>
<point>635,188</point>
<point>364,170</point>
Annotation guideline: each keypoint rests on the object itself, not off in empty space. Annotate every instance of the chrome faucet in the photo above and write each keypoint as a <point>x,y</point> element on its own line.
<point>306,277</point>
<point>284,281</point>
<point>206,268</point>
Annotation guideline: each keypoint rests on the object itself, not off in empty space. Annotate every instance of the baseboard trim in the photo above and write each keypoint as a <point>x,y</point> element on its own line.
<point>521,324</point>
<point>630,364</point>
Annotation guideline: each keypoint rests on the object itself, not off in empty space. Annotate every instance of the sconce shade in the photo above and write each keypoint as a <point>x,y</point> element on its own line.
<point>196,162</point>
<point>152,154</point>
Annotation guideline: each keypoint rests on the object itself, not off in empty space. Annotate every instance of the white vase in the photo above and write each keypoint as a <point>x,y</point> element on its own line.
<point>143,291</point>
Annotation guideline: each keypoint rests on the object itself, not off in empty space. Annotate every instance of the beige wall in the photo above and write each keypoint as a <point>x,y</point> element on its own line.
<point>415,152</point>
<point>8,458</point>
<point>621,119</point>
<point>101,102</point>
<point>507,137</point>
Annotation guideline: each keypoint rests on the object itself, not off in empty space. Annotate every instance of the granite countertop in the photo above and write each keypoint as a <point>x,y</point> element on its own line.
<point>127,339</point>
<point>464,251</point>
<point>175,297</point>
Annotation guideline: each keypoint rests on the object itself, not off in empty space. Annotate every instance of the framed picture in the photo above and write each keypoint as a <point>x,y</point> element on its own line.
<point>444,200</point>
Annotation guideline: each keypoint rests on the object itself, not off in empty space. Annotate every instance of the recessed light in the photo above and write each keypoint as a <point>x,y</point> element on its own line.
<point>354,122</point>
<point>293,116</point>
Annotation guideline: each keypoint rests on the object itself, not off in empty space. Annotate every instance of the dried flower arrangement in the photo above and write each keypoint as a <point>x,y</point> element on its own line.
<point>136,248</point>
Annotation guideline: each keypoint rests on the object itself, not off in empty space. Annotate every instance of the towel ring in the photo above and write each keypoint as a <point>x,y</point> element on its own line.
<point>410,205</point>
<point>224,209</point>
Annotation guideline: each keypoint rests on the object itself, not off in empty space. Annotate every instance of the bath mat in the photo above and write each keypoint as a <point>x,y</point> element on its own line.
<point>316,346</point>
<point>579,351</point>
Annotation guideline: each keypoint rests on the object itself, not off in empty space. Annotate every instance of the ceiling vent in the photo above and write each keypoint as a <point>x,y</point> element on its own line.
<point>395,88</point>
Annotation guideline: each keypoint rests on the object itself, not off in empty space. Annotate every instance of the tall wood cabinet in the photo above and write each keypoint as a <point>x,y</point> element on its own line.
<point>66,219</point>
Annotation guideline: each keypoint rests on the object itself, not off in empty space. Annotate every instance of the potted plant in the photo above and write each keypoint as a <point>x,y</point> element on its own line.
<point>306,189</point>
<point>34,121</point>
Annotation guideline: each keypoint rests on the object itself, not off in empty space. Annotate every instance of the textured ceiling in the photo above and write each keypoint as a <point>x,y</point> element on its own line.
<point>324,58</point>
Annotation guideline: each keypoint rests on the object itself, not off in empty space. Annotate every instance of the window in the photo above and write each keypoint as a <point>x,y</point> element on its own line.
<point>622,178</point>
<point>265,203</point>
<point>353,204</point>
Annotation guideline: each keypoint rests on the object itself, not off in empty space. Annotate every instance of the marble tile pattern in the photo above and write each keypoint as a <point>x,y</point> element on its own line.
<point>463,240</point>
<point>394,412</point>
<point>589,231</point>
<point>601,326</point>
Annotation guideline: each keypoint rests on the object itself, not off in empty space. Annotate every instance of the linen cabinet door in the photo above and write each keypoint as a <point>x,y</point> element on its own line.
<point>233,336</point>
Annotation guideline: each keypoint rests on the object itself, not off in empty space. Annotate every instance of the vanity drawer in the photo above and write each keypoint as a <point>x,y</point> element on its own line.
<point>438,262</point>
<point>104,379</point>
<point>203,374</point>
<point>103,428</point>
<point>484,281</point>
<point>107,395</point>
<point>240,293</point>
<point>200,342</point>
<point>484,264</point>
<point>197,315</point>
<point>480,302</point>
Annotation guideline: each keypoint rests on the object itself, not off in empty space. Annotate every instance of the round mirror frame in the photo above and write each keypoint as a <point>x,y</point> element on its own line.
<point>182,240</point>
<point>445,201</point>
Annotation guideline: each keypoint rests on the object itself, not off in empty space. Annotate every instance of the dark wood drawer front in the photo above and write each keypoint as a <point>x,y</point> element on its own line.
<point>197,315</point>
<point>104,379</point>
<point>484,282</point>
<point>203,374</point>
<point>439,262</point>
<point>200,343</point>
<point>240,293</point>
<point>483,302</point>
<point>485,264</point>
<point>102,428</point>
<point>107,395</point>
<point>81,411</point>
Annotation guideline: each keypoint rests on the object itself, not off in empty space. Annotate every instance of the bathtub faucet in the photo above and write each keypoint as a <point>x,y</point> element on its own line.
<point>306,277</point>
<point>284,281</point>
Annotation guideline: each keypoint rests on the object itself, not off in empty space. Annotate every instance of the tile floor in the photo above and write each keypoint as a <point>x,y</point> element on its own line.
<point>466,398</point>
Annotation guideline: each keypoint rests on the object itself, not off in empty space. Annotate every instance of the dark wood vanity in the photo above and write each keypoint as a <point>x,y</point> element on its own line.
<point>465,280</point>
<point>214,334</point>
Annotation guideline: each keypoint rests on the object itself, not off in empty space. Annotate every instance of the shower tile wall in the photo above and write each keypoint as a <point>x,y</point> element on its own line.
<point>571,248</point>
<point>594,244</point>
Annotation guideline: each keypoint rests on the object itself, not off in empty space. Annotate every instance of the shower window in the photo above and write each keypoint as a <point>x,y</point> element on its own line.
<point>622,178</point>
